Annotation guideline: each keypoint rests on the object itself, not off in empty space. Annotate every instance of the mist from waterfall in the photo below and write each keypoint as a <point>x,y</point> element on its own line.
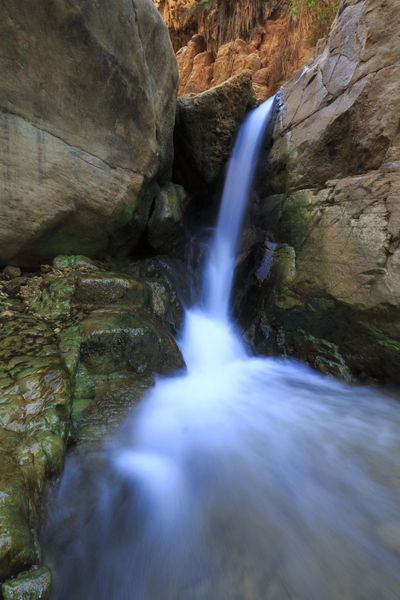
<point>242,478</point>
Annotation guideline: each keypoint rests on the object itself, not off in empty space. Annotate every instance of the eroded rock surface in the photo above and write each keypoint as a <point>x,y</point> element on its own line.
<point>217,39</point>
<point>335,211</point>
<point>79,345</point>
<point>87,105</point>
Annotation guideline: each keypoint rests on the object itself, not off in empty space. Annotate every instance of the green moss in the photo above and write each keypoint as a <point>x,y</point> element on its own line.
<point>71,260</point>
<point>71,343</point>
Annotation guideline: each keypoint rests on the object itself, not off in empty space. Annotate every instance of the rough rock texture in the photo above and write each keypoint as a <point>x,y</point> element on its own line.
<point>87,104</point>
<point>335,210</point>
<point>206,125</point>
<point>32,585</point>
<point>217,39</point>
<point>78,346</point>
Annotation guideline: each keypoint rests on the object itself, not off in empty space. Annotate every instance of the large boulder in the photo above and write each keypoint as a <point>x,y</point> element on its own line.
<point>333,206</point>
<point>205,130</point>
<point>87,104</point>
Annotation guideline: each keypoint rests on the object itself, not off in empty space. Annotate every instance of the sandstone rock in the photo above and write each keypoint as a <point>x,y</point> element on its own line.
<point>232,37</point>
<point>87,109</point>
<point>336,167</point>
<point>206,125</point>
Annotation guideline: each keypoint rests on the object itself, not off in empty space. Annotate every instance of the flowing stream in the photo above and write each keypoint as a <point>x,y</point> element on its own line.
<point>243,478</point>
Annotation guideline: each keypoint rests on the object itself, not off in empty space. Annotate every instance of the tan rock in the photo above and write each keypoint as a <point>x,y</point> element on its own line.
<point>201,75</point>
<point>87,111</point>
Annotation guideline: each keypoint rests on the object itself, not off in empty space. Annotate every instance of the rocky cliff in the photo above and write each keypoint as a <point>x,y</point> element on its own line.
<point>332,212</point>
<point>217,39</point>
<point>87,104</point>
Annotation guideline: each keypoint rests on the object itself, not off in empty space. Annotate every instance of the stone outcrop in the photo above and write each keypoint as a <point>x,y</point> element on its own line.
<point>206,125</point>
<point>78,346</point>
<point>87,105</point>
<point>333,207</point>
<point>216,40</point>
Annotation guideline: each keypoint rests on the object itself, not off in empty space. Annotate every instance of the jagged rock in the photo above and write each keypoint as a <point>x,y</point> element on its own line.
<point>87,105</point>
<point>271,38</point>
<point>206,125</point>
<point>78,346</point>
<point>335,169</point>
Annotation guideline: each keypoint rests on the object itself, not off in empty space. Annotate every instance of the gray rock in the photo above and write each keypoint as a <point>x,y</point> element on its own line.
<point>206,125</point>
<point>335,169</point>
<point>87,104</point>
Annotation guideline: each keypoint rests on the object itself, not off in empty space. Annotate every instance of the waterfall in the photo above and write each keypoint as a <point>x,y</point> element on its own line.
<point>241,168</point>
<point>243,478</point>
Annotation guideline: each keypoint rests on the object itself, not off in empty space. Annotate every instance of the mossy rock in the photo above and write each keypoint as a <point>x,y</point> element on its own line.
<point>118,340</point>
<point>103,289</point>
<point>31,585</point>
<point>78,347</point>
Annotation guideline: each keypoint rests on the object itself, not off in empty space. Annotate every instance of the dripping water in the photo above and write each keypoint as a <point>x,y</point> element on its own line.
<point>241,479</point>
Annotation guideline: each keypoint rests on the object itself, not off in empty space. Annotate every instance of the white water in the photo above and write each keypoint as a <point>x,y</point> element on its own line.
<point>243,478</point>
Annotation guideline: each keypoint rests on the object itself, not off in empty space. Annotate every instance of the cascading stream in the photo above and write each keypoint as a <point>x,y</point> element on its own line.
<point>243,478</point>
<point>241,168</point>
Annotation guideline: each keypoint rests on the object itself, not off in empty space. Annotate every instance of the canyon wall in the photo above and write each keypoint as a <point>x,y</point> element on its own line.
<point>332,208</point>
<point>216,40</point>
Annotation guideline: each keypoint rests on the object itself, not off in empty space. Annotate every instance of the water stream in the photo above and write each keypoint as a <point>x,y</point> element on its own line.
<point>243,478</point>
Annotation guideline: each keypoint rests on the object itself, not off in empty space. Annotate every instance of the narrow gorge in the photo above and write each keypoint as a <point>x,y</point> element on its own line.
<point>191,411</point>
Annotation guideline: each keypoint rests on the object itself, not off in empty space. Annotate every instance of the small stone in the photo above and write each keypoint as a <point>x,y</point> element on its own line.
<point>12,271</point>
<point>45,268</point>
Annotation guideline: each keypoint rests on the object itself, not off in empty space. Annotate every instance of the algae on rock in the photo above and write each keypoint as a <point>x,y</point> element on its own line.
<point>78,347</point>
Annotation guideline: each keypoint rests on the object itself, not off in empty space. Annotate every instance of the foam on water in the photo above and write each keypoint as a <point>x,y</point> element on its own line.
<point>242,478</point>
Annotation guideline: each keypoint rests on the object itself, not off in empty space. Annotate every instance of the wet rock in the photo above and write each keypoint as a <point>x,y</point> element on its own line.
<point>78,347</point>
<point>168,281</point>
<point>104,288</point>
<point>32,585</point>
<point>165,229</point>
<point>34,414</point>
<point>335,169</point>
<point>119,340</point>
<point>206,125</point>
<point>74,177</point>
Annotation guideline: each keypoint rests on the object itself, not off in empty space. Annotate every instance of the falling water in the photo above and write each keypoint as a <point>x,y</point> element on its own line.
<point>243,478</point>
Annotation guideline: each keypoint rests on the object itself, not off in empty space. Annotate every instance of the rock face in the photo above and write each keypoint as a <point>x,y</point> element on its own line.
<point>334,212</point>
<point>218,39</point>
<point>79,344</point>
<point>87,105</point>
<point>206,125</point>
